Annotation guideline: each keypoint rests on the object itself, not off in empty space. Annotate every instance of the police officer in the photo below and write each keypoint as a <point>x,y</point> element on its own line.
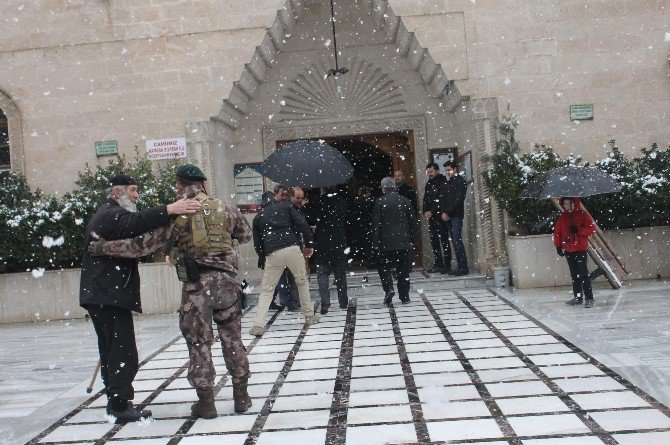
<point>207,264</point>
<point>206,260</point>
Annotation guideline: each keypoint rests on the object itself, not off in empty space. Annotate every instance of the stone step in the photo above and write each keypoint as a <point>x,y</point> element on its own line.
<point>419,282</point>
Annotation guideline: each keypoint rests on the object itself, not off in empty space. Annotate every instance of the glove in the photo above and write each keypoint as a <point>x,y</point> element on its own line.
<point>95,247</point>
<point>560,251</point>
<point>573,229</point>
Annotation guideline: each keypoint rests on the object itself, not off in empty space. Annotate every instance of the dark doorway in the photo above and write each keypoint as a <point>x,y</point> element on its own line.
<point>373,156</point>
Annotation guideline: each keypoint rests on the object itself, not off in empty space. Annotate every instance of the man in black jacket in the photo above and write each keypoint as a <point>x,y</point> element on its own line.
<point>439,234</point>
<point>452,201</point>
<point>329,217</point>
<point>404,189</point>
<point>393,231</point>
<point>276,229</point>
<point>110,289</point>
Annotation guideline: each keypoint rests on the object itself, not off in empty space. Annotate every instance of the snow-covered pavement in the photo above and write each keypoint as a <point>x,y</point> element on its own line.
<point>461,366</point>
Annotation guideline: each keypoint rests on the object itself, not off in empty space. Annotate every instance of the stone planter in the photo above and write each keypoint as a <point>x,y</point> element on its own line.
<point>55,295</point>
<point>533,260</point>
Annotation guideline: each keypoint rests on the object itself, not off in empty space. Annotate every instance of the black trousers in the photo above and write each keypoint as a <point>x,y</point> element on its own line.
<point>400,260</point>
<point>581,283</point>
<point>118,351</point>
<point>439,241</point>
<point>339,269</point>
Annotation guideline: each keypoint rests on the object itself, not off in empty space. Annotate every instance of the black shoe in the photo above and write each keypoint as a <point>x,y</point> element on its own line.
<point>575,302</point>
<point>460,273</point>
<point>589,302</point>
<point>343,307</point>
<point>449,272</point>
<point>130,414</point>
<point>274,306</point>
<point>324,309</point>
<point>388,298</point>
<point>434,270</point>
<point>405,300</point>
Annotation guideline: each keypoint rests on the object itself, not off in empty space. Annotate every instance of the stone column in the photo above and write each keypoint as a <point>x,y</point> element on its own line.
<point>493,249</point>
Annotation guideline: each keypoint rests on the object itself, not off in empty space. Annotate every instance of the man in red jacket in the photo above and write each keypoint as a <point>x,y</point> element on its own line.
<point>571,238</point>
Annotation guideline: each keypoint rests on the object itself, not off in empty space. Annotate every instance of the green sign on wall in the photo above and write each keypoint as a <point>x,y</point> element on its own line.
<point>581,112</point>
<point>106,148</point>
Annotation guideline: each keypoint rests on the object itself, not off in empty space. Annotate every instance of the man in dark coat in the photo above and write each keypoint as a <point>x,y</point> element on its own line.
<point>110,289</point>
<point>404,189</point>
<point>452,203</point>
<point>276,231</point>
<point>330,243</point>
<point>439,234</point>
<point>393,231</point>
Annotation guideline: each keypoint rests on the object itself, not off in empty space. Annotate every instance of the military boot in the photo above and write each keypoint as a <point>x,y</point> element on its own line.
<point>204,407</point>
<point>241,396</point>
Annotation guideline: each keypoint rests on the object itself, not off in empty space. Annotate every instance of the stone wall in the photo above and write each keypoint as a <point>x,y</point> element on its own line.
<point>82,71</point>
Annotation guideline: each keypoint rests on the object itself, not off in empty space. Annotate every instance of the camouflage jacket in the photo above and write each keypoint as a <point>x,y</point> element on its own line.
<point>237,226</point>
<point>151,241</point>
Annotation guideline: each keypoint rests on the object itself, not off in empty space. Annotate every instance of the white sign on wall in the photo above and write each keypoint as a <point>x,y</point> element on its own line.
<point>172,148</point>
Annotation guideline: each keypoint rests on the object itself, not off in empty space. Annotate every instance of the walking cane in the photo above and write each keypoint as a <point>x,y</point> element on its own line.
<point>95,375</point>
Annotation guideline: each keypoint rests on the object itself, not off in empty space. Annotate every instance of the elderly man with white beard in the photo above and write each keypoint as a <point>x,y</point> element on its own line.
<point>110,289</point>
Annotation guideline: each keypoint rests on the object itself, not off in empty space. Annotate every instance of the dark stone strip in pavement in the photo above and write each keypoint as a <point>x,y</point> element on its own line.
<point>93,398</point>
<point>560,393</point>
<point>258,425</point>
<point>491,404</point>
<point>418,418</point>
<point>610,373</point>
<point>336,433</point>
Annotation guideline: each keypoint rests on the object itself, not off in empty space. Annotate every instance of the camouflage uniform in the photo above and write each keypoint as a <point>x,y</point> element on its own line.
<point>213,297</point>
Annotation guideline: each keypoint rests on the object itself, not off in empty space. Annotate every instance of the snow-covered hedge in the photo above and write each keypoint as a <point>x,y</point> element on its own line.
<point>644,200</point>
<point>40,232</point>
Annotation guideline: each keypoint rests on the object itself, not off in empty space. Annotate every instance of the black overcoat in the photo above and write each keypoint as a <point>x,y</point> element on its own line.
<point>393,222</point>
<point>431,194</point>
<point>112,281</point>
<point>330,240</point>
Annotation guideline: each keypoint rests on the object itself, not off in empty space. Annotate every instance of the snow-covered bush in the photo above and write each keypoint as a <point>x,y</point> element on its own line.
<point>643,201</point>
<point>40,231</point>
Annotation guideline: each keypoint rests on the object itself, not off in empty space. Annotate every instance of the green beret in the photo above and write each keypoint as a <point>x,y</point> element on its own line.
<point>190,172</point>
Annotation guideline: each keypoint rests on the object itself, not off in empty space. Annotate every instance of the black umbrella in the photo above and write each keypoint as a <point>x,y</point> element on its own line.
<point>309,164</point>
<point>570,181</point>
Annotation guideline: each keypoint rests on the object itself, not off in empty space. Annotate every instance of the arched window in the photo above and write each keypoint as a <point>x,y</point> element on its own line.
<point>5,161</point>
<point>11,139</point>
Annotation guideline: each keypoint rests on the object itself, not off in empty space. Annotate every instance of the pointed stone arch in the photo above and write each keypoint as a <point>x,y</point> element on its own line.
<point>15,127</point>
<point>236,106</point>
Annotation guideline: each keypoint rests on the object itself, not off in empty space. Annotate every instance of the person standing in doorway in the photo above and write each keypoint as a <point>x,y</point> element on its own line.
<point>330,243</point>
<point>393,231</point>
<point>439,235</point>
<point>571,239</point>
<point>452,205</point>
<point>404,189</point>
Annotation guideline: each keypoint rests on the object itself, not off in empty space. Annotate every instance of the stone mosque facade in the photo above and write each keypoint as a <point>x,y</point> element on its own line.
<point>238,78</point>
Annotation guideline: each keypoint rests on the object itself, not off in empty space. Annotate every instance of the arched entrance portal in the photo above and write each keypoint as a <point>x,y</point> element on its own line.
<point>393,86</point>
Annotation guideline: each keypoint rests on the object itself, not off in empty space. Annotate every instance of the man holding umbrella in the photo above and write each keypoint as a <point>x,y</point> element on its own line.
<point>571,238</point>
<point>574,227</point>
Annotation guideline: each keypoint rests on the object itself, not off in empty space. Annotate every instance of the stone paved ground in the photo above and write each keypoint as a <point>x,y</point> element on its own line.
<point>458,366</point>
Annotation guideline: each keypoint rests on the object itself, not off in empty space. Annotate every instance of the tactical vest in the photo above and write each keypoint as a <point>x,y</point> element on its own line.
<point>208,228</point>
